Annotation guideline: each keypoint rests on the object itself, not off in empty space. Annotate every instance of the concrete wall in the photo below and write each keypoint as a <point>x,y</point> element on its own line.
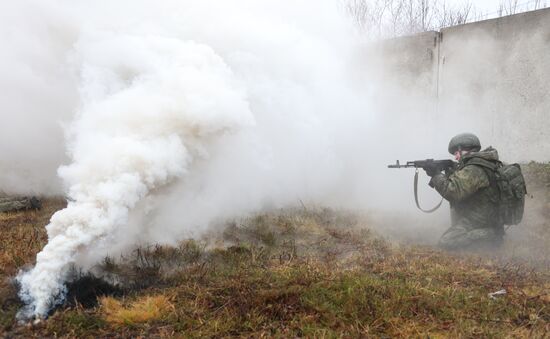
<point>491,77</point>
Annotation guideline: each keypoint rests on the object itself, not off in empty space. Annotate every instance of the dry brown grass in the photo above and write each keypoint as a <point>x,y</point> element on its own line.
<point>298,273</point>
<point>144,310</point>
<point>23,235</point>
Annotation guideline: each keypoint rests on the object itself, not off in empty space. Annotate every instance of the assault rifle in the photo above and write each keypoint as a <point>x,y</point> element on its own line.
<point>430,165</point>
<point>437,165</point>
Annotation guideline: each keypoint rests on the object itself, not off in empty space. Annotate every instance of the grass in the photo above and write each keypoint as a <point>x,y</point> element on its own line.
<point>22,236</point>
<point>315,273</point>
<point>144,310</point>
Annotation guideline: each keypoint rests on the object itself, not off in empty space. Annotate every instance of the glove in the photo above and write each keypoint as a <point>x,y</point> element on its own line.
<point>431,171</point>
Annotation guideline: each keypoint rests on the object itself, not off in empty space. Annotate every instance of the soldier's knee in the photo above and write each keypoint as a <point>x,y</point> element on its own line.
<point>454,238</point>
<point>486,239</point>
<point>449,242</point>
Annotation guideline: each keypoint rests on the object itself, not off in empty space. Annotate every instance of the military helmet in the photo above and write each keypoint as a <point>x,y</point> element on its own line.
<point>464,141</point>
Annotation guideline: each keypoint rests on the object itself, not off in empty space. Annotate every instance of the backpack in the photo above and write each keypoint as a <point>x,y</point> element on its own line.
<point>511,187</point>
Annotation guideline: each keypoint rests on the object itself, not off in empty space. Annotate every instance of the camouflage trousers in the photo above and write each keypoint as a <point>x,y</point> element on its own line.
<point>15,204</point>
<point>461,237</point>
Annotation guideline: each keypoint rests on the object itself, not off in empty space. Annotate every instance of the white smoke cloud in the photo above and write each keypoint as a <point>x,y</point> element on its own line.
<point>37,95</point>
<point>148,106</point>
<point>185,113</point>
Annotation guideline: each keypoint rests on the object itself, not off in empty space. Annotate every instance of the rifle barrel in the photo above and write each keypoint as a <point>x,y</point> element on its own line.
<point>397,165</point>
<point>439,164</point>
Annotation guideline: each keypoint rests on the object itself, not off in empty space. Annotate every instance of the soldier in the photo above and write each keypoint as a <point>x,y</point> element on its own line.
<point>472,194</point>
<point>21,203</point>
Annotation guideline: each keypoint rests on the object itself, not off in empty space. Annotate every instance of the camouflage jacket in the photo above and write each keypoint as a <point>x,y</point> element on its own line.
<point>471,192</point>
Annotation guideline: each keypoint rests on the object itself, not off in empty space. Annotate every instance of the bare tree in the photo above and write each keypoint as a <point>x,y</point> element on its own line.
<point>451,17</point>
<point>367,14</point>
<point>540,4</point>
<point>507,7</point>
<point>389,18</point>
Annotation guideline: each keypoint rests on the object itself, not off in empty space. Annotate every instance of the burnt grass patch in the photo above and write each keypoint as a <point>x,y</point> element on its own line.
<point>86,290</point>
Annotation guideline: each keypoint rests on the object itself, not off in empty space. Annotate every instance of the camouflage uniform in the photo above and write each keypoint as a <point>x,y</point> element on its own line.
<point>14,204</point>
<point>474,203</point>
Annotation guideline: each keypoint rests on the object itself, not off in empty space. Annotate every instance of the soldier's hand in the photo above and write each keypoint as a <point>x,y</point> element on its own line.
<point>431,171</point>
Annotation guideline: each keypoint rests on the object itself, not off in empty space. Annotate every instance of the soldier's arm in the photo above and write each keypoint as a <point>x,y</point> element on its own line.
<point>461,184</point>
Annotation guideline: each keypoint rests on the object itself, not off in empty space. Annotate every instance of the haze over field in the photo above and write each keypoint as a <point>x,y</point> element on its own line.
<point>192,111</point>
<point>160,121</point>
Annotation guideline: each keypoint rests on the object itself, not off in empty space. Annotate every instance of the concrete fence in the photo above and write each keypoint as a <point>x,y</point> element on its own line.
<point>490,77</point>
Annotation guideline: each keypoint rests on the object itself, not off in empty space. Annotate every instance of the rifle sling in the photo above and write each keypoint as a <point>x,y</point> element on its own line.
<point>416,196</point>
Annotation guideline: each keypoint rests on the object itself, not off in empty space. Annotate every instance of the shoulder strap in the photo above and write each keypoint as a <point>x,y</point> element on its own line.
<point>489,167</point>
<point>491,170</point>
<point>492,165</point>
<point>416,196</point>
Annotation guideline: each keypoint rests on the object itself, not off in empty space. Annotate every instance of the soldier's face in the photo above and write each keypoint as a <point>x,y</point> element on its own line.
<point>458,155</point>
